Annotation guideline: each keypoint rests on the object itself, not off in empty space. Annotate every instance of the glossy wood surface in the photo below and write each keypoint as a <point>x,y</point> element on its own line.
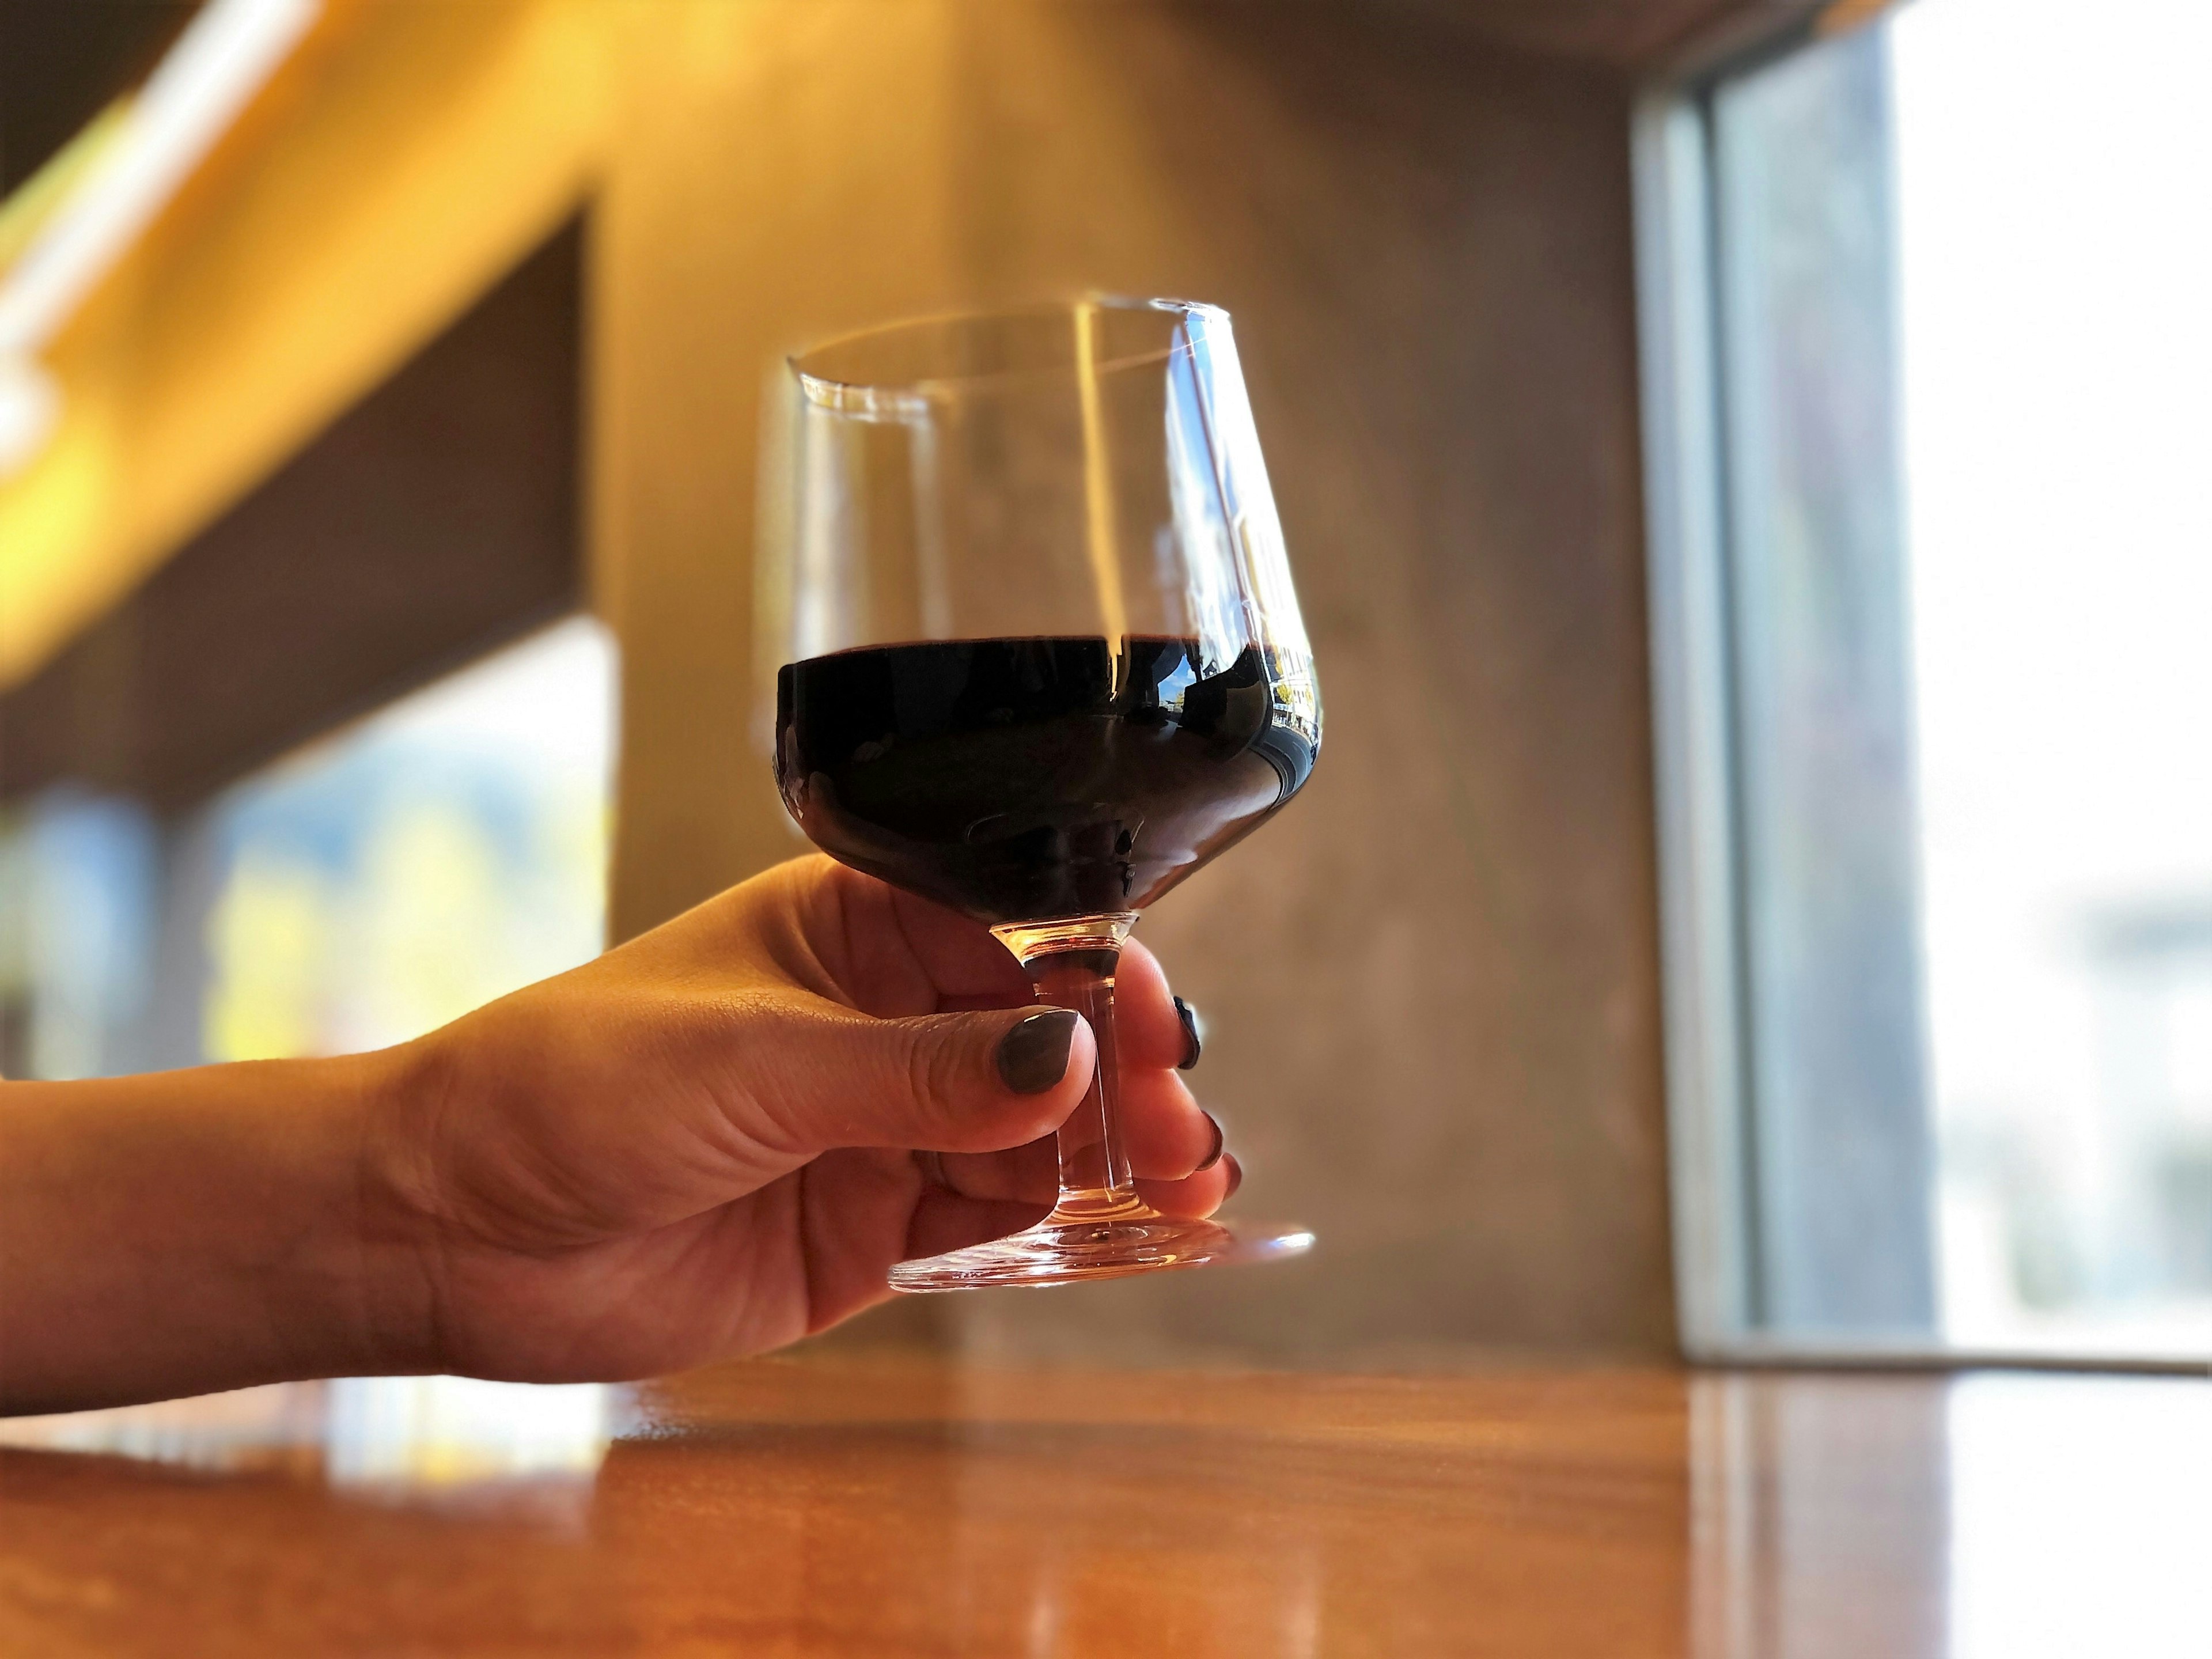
<point>836,1505</point>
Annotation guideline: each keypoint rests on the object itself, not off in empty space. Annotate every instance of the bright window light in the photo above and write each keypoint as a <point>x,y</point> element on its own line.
<point>386,879</point>
<point>2054,194</point>
<point>442,852</point>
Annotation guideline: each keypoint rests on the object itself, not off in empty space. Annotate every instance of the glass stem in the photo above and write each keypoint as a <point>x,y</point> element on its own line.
<point>1070,964</point>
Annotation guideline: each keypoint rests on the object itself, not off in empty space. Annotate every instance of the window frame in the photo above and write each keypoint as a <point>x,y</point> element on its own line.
<point>1697,765</point>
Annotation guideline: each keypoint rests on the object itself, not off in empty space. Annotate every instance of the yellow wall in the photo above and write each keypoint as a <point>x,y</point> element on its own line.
<point>404,158</point>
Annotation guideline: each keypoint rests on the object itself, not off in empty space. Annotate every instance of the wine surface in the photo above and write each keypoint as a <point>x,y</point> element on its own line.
<point>1020,780</point>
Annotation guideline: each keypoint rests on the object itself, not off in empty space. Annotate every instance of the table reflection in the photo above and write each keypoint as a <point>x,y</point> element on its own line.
<point>2080,1517</point>
<point>1817,1516</point>
<point>896,1504</point>
<point>981,1512</point>
<point>395,1434</point>
<point>1992,1515</point>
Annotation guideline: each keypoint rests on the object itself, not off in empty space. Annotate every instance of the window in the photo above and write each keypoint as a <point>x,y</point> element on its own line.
<point>374,885</point>
<point>1927,338</point>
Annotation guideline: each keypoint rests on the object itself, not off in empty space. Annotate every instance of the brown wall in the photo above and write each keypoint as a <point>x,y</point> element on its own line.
<point>431,522</point>
<point>1433,983</point>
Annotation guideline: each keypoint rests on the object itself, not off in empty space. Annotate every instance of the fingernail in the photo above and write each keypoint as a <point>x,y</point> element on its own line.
<point>1193,1043</point>
<point>1220,1141</point>
<point>1236,1176</point>
<point>1033,1056</point>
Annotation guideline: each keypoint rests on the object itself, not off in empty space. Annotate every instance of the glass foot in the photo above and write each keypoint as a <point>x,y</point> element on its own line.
<point>1070,1252</point>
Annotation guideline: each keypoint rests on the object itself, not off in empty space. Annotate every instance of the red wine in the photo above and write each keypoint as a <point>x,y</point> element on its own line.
<point>1020,780</point>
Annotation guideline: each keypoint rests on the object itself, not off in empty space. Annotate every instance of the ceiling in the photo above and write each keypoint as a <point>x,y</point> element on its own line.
<point>1629,35</point>
<point>61,61</point>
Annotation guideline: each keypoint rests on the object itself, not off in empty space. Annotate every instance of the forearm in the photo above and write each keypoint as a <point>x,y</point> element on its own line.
<point>194,1231</point>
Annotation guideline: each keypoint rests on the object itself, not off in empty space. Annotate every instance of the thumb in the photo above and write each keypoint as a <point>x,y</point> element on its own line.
<point>946,1083</point>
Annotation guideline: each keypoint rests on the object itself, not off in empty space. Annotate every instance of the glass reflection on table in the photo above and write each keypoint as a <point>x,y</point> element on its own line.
<point>396,1434</point>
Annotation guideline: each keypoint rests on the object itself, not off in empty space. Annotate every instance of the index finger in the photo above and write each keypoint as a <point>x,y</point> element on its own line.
<point>970,968</point>
<point>958,953</point>
<point>903,950</point>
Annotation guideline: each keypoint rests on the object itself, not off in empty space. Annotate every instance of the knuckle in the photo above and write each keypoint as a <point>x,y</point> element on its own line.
<point>934,1074</point>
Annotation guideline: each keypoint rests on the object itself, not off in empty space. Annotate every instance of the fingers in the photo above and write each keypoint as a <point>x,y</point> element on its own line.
<point>1165,1131</point>
<point>909,1080</point>
<point>960,956</point>
<point>944,1220</point>
<point>1166,1135</point>
<point>1150,1031</point>
<point>899,952</point>
<point>1194,1197</point>
<point>883,930</point>
<point>852,939</point>
<point>819,1078</point>
<point>1028,1176</point>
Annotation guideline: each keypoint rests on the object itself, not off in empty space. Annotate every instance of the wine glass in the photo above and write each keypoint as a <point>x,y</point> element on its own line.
<point>1041,660</point>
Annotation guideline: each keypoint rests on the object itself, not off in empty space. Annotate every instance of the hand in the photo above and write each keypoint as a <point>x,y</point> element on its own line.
<point>699,1146</point>
<point>703,1143</point>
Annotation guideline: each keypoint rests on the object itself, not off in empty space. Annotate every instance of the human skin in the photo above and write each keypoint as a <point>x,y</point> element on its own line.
<point>702,1145</point>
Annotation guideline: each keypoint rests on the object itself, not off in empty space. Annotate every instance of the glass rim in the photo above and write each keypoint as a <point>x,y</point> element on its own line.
<point>834,392</point>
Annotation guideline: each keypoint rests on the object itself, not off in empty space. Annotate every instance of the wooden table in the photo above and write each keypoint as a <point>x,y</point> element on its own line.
<point>907,1506</point>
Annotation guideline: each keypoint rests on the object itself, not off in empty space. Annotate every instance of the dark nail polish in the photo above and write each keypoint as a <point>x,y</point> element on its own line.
<point>1236,1176</point>
<point>1194,1044</point>
<point>1220,1142</point>
<point>1033,1056</point>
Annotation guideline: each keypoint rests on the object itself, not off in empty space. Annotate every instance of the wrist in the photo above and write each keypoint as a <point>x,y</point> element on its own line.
<point>335,1265</point>
<point>395,1232</point>
<point>187,1231</point>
